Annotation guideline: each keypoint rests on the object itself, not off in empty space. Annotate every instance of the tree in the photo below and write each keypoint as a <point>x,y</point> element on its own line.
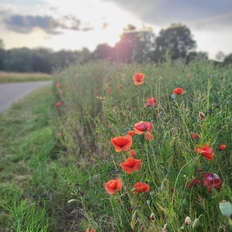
<point>196,55</point>
<point>228,59</point>
<point>134,44</point>
<point>176,41</point>
<point>103,51</point>
<point>1,44</point>
<point>220,56</point>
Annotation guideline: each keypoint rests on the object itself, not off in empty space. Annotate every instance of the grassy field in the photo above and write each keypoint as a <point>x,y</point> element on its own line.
<point>100,151</point>
<point>180,172</point>
<point>9,77</point>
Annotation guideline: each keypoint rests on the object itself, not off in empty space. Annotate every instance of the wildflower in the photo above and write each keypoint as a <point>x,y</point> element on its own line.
<point>195,136</point>
<point>132,152</point>
<point>140,187</point>
<point>206,151</point>
<point>193,183</point>
<point>222,147</point>
<point>131,133</point>
<point>201,115</point>
<point>141,127</point>
<point>112,185</point>
<point>110,91</point>
<point>138,78</point>
<point>120,86</point>
<point>151,102</point>
<point>187,221</point>
<point>58,85</point>
<point>178,91</point>
<point>148,135</point>
<point>87,230</point>
<point>101,99</point>
<point>212,181</point>
<point>122,143</point>
<point>58,104</point>
<point>131,165</point>
<point>225,208</point>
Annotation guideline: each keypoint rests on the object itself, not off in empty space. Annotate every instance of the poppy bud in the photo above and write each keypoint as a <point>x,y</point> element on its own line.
<point>187,221</point>
<point>152,217</point>
<point>222,147</point>
<point>226,208</point>
<point>201,115</point>
<point>196,223</point>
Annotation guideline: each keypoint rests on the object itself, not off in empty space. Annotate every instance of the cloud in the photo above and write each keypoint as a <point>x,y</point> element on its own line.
<point>27,23</point>
<point>163,13</point>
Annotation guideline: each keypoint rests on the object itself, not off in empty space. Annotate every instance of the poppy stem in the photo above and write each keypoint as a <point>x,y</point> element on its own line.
<point>192,160</point>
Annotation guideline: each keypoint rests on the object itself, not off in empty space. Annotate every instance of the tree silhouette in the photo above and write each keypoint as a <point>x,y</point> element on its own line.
<point>176,40</point>
<point>103,51</point>
<point>228,59</point>
<point>134,44</point>
<point>1,44</point>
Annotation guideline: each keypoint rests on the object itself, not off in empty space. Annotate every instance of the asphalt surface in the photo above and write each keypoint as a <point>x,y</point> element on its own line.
<point>11,93</point>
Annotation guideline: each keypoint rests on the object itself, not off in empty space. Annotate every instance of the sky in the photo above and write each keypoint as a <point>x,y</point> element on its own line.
<point>74,24</point>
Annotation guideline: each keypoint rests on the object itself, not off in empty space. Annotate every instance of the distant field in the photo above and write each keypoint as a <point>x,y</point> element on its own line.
<point>7,77</point>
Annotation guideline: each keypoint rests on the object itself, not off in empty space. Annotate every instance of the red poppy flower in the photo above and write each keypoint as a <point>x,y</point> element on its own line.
<point>58,85</point>
<point>87,230</point>
<point>58,104</point>
<point>112,185</point>
<point>122,143</point>
<point>151,102</point>
<point>195,136</point>
<point>140,187</point>
<point>206,151</point>
<point>131,165</point>
<point>212,181</point>
<point>138,78</point>
<point>178,91</point>
<point>131,133</point>
<point>193,183</point>
<point>110,91</point>
<point>222,147</point>
<point>141,127</point>
<point>132,152</point>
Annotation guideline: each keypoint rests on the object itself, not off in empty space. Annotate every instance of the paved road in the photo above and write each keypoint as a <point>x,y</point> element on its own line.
<point>11,93</point>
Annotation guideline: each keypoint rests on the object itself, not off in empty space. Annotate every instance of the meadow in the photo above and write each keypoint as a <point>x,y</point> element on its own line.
<point>121,147</point>
<point>10,77</point>
<point>178,164</point>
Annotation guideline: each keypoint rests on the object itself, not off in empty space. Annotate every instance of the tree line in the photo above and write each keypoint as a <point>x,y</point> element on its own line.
<point>135,45</point>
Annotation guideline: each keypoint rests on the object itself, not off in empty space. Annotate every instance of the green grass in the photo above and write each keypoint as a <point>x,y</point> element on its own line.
<point>28,171</point>
<point>9,77</point>
<point>54,161</point>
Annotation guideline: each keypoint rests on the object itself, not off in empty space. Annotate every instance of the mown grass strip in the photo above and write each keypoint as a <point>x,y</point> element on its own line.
<point>27,141</point>
<point>10,77</point>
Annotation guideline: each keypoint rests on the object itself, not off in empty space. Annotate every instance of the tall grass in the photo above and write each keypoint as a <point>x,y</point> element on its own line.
<point>100,102</point>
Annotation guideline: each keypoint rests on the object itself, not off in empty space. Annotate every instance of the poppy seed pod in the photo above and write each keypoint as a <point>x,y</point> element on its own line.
<point>225,208</point>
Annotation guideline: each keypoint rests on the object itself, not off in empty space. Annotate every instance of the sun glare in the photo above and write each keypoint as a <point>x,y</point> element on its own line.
<point>106,19</point>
